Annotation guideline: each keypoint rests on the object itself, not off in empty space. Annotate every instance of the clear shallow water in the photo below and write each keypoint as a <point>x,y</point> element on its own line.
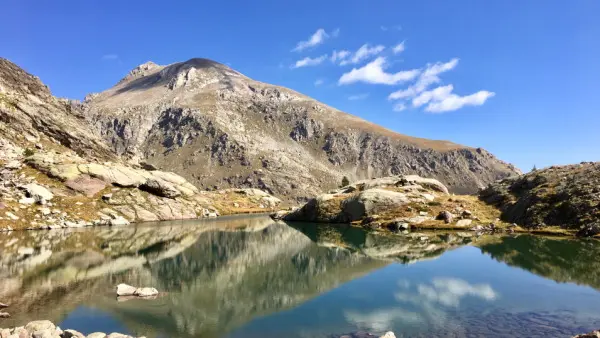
<point>251,277</point>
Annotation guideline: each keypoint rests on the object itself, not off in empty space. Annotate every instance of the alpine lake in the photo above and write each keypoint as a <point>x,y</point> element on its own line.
<point>249,276</point>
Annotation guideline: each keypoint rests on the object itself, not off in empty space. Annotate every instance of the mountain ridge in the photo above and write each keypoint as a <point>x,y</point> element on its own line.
<point>218,128</point>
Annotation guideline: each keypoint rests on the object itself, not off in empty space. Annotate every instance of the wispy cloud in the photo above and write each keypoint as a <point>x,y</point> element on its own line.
<point>399,48</point>
<point>428,77</point>
<point>110,57</point>
<point>316,39</point>
<point>440,99</point>
<point>319,82</point>
<point>338,56</point>
<point>364,52</point>
<point>452,102</point>
<point>374,73</point>
<point>308,61</point>
<point>358,97</point>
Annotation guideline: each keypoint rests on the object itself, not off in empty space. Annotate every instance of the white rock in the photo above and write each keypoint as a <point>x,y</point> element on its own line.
<point>45,211</point>
<point>11,215</point>
<point>39,193</point>
<point>27,200</point>
<point>125,290</point>
<point>388,334</point>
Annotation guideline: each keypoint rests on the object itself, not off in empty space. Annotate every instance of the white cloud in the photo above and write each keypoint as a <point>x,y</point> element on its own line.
<point>358,97</point>
<point>339,56</point>
<point>428,77</point>
<point>365,51</point>
<point>316,39</point>
<point>307,61</point>
<point>109,57</point>
<point>399,48</point>
<point>399,107</point>
<point>319,82</point>
<point>454,102</point>
<point>437,94</point>
<point>383,28</point>
<point>441,99</point>
<point>335,33</point>
<point>374,73</point>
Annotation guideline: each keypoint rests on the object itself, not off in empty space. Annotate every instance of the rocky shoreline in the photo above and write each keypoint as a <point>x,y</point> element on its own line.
<point>47,329</point>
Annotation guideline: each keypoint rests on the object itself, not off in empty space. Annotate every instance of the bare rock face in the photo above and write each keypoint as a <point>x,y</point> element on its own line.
<point>217,127</point>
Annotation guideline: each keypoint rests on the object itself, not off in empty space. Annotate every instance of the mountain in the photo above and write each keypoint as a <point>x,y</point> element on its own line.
<point>218,128</point>
<point>56,171</point>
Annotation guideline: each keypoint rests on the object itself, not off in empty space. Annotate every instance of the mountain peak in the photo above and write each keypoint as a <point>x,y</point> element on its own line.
<point>141,71</point>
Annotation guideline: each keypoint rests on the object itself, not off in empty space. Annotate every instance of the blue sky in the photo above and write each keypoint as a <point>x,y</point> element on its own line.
<point>518,78</point>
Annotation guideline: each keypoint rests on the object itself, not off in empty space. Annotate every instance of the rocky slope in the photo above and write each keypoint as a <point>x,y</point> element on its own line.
<point>563,196</point>
<point>219,128</point>
<point>55,171</point>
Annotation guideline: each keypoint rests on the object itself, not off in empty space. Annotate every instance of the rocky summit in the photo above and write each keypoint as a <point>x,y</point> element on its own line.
<point>218,128</point>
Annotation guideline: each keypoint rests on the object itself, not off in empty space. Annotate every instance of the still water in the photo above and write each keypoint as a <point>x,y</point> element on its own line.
<point>252,277</point>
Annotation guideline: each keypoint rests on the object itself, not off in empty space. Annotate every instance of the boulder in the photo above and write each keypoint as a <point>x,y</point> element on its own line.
<point>96,335</point>
<point>40,325</point>
<point>370,201</point>
<point>445,216</point>
<point>125,290</point>
<point>39,193</point>
<point>27,200</point>
<point>72,334</point>
<point>4,315</point>
<point>117,335</point>
<point>86,184</point>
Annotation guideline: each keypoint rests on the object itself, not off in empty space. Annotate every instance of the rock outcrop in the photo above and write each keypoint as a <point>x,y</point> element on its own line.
<point>217,127</point>
<point>562,196</point>
<point>398,203</point>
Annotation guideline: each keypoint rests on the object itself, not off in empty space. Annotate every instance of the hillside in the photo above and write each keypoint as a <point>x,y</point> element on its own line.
<point>566,196</point>
<point>219,128</point>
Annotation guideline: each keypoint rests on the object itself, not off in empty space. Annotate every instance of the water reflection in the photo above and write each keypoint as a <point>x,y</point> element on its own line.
<point>249,276</point>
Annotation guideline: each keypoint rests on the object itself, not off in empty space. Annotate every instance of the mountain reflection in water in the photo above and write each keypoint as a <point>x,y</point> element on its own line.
<point>244,276</point>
